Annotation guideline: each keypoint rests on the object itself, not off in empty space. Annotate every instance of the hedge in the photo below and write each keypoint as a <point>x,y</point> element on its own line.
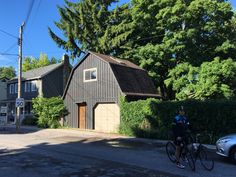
<point>152,118</point>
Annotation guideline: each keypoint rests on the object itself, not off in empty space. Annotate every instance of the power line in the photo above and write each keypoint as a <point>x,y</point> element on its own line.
<point>11,47</point>
<point>29,11</point>
<point>8,34</point>
<point>8,54</point>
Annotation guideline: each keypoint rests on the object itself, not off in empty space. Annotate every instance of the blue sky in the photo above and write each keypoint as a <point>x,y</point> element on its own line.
<point>35,39</point>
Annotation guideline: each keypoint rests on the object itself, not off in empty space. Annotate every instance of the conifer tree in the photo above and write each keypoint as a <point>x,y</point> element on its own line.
<point>86,25</point>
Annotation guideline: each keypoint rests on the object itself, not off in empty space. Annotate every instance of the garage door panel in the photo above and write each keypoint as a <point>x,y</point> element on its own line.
<point>107,117</point>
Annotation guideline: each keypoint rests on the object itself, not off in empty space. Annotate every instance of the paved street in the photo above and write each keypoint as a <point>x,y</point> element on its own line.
<point>72,153</point>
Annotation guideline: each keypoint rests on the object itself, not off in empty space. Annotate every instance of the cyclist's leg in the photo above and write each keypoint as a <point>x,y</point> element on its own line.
<point>179,148</point>
<point>185,145</point>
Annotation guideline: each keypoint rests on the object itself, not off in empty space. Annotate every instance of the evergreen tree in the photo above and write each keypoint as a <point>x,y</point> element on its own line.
<point>87,25</point>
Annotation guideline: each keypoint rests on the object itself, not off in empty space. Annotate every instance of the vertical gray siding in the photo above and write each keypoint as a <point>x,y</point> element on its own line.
<point>52,83</point>
<point>3,90</point>
<point>105,89</point>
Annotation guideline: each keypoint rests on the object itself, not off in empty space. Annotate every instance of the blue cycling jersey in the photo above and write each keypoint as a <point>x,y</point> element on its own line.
<point>181,124</point>
<point>181,119</point>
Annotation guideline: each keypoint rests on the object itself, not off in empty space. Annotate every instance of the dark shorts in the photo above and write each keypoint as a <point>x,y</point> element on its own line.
<point>178,142</point>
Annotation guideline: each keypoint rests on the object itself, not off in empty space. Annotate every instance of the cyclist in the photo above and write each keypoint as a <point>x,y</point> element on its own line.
<point>180,127</point>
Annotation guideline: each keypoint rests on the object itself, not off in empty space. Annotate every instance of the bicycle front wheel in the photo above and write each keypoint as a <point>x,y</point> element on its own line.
<point>170,150</point>
<point>191,161</point>
<point>206,162</point>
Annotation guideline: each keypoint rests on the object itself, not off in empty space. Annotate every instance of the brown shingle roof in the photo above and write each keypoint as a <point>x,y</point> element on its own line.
<point>131,78</point>
<point>114,60</point>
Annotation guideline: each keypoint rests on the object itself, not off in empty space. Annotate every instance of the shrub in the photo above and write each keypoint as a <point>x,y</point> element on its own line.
<point>152,118</point>
<point>49,111</point>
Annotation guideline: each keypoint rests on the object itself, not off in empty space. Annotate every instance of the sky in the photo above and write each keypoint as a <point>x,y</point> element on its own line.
<point>36,39</point>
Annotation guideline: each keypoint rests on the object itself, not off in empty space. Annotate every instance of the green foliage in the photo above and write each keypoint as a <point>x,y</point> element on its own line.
<point>136,117</point>
<point>30,121</point>
<point>158,35</point>
<point>212,80</point>
<point>152,118</point>
<point>49,111</point>
<point>32,63</point>
<point>87,25</point>
<point>7,72</point>
<point>181,31</point>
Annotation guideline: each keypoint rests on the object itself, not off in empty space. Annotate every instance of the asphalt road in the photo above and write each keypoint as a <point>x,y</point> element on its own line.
<point>70,153</point>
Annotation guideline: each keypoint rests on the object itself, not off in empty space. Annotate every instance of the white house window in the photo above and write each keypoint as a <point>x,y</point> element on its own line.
<point>90,74</point>
<point>16,87</point>
<point>12,88</point>
<point>27,86</point>
<point>33,86</point>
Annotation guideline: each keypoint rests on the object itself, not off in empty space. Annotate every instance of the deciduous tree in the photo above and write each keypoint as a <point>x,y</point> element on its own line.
<point>7,72</point>
<point>32,63</point>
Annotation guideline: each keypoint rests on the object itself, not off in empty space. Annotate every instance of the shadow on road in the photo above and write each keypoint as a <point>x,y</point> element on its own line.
<point>84,157</point>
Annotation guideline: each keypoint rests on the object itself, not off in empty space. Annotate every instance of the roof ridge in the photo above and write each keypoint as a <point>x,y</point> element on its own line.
<point>43,67</point>
<point>115,60</point>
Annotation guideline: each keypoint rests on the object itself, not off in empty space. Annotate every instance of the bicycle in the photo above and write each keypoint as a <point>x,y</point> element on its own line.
<point>199,151</point>
<point>171,149</point>
<point>196,150</point>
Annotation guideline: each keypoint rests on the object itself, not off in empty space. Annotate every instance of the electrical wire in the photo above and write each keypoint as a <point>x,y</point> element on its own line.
<point>10,54</point>
<point>8,34</point>
<point>11,47</point>
<point>35,14</point>
<point>29,12</point>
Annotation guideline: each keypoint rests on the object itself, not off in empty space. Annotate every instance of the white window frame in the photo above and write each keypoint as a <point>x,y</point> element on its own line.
<point>12,88</point>
<point>27,86</point>
<point>90,71</point>
<point>33,86</point>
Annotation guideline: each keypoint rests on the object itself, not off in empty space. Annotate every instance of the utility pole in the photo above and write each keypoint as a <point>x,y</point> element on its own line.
<point>19,76</point>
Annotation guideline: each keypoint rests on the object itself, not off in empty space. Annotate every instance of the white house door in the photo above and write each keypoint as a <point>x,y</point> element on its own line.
<point>107,117</point>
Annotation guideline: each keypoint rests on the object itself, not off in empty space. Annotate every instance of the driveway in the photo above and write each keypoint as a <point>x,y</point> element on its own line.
<point>47,152</point>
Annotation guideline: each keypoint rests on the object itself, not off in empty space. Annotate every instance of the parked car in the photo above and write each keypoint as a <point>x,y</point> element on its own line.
<point>226,146</point>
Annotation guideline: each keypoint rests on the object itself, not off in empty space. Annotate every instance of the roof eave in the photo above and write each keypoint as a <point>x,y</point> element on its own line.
<point>72,73</point>
<point>142,94</point>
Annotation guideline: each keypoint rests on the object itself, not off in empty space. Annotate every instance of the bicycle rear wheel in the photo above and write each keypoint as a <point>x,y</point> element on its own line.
<point>170,150</point>
<point>206,162</point>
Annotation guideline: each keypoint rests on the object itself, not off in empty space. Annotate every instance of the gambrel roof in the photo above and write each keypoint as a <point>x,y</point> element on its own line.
<point>132,79</point>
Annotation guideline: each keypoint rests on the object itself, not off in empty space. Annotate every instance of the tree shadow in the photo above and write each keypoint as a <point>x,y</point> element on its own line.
<point>74,156</point>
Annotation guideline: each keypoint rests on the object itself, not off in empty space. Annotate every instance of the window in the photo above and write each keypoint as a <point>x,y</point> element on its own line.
<point>27,86</point>
<point>16,87</point>
<point>12,88</point>
<point>33,86</point>
<point>90,74</point>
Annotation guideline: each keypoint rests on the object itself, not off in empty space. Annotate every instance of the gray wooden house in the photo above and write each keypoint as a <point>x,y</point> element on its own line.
<point>3,90</point>
<point>47,81</point>
<point>94,87</point>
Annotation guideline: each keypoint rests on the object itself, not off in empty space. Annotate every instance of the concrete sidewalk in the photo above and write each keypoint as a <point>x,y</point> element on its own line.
<point>11,129</point>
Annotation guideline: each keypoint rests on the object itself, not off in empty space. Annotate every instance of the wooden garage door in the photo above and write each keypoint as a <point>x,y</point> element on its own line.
<point>107,117</point>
